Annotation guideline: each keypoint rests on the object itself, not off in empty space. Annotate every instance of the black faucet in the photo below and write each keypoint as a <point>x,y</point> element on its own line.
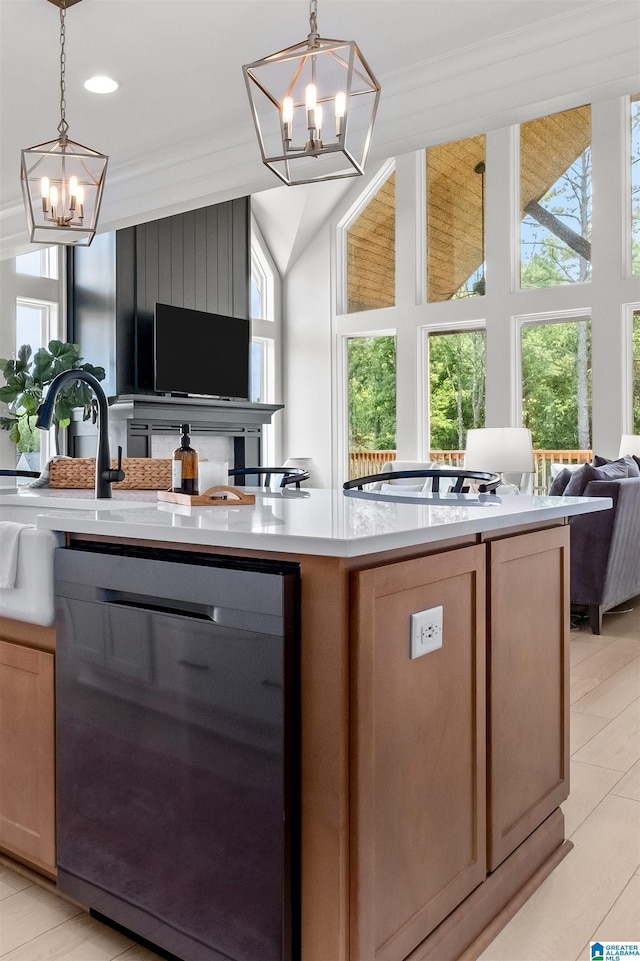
<point>105,475</point>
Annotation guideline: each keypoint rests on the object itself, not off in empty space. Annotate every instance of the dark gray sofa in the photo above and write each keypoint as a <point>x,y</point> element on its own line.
<point>605,550</point>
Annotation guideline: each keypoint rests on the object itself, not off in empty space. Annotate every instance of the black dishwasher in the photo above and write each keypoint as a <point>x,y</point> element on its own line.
<point>177,748</point>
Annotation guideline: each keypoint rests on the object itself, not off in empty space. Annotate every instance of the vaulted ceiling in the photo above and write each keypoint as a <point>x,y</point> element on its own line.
<point>179,133</point>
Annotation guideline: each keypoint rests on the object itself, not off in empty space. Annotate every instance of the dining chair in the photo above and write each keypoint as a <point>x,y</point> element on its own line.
<point>463,480</point>
<point>291,476</point>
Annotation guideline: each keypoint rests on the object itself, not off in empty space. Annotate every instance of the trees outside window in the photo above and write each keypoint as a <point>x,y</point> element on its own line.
<point>456,377</point>
<point>556,383</point>
<point>555,199</point>
<point>371,363</point>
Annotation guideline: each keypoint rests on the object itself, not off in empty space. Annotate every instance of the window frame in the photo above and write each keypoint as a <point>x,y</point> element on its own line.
<point>572,315</point>
<point>345,222</point>
<point>267,331</point>
<point>456,327</point>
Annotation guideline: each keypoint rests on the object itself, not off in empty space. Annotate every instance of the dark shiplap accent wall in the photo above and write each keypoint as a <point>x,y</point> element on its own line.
<point>199,259</point>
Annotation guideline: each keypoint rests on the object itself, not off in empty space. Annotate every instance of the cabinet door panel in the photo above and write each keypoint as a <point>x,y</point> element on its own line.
<point>418,756</point>
<point>528,685</point>
<point>27,802</point>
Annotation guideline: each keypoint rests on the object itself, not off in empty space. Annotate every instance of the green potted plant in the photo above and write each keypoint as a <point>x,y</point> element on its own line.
<point>25,380</point>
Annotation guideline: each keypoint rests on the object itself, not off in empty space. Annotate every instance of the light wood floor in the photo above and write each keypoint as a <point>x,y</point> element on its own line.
<point>594,894</point>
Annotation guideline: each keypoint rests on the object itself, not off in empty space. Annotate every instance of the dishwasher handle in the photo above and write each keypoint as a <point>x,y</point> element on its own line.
<point>222,617</point>
<point>158,605</point>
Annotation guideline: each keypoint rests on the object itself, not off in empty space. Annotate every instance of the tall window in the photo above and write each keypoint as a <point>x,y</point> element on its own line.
<point>39,263</point>
<point>265,328</point>
<point>635,184</point>
<point>556,383</point>
<point>555,199</point>
<point>636,371</point>
<point>261,380</point>
<point>455,219</point>
<point>36,322</point>
<point>371,252</point>
<point>371,364</point>
<point>36,325</point>
<point>456,377</point>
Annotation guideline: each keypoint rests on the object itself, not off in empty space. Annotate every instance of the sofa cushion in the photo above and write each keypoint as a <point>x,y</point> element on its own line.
<point>580,478</point>
<point>633,464</point>
<point>560,482</point>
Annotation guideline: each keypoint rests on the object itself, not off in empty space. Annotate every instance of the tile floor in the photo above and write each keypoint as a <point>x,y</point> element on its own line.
<point>594,894</point>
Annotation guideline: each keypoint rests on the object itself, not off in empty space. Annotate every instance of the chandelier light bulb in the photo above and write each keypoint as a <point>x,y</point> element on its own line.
<point>310,101</point>
<point>287,119</point>
<point>341,103</point>
<point>318,116</point>
<point>311,96</point>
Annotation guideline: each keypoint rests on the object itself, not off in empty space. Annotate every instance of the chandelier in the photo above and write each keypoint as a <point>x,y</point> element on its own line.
<point>61,180</point>
<point>314,106</point>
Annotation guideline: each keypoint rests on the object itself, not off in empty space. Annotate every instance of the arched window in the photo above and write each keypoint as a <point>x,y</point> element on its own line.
<point>371,252</point>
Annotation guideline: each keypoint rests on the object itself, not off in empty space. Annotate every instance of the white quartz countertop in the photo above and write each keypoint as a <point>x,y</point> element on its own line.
<point>328,522</point>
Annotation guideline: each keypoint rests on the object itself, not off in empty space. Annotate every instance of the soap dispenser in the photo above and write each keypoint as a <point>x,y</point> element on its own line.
<point>184,473</point>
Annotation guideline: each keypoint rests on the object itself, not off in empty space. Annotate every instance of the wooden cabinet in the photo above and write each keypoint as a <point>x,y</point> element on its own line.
<point>418,751</point>
<point>433,739</point>
<point>528,676</point>
<point>27,785</point>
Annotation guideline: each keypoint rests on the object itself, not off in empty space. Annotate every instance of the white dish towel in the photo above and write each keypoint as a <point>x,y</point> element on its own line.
<point>9,542</point>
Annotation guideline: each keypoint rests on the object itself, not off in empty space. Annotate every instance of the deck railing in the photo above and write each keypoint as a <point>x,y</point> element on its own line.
<point>363,462</point>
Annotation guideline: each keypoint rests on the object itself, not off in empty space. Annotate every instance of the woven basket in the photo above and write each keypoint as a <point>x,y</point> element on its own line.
<point>141,473</point>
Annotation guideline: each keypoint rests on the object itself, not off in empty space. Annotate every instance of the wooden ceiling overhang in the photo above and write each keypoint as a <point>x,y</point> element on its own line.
<point>548,147</point>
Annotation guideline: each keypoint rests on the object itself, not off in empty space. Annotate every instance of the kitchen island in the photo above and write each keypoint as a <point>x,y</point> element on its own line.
<point>430,785</point>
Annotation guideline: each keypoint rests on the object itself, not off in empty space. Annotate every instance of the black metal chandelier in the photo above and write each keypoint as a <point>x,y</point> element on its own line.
<point>314,106</point>
<point>62,181</point>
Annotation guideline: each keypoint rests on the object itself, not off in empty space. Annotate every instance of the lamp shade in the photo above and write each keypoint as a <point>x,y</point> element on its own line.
<point>629,444</point>
<point>503,450</point>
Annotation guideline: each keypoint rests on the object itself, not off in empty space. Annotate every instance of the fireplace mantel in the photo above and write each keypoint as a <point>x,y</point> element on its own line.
<point>135,418</point>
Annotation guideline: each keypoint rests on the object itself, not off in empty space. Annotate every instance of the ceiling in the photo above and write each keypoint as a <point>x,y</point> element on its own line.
<point>179,133</point>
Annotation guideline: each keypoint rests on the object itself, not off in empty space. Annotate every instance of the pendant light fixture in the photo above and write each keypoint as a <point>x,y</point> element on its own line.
<point>479,287</point>
<point>314,106</point>
<point>61,180</point>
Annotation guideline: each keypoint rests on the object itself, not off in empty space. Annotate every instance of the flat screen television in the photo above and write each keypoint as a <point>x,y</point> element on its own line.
<point>196,352</point>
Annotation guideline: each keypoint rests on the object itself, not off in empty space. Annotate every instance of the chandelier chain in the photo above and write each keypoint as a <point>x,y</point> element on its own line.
<point>63,126</point>
<point>312,39</point>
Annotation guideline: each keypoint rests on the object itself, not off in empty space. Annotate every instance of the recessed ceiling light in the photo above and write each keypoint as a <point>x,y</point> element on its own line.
<point>100,85</point>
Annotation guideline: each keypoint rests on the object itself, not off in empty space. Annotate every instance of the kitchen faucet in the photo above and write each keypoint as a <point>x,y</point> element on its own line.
<point>105,475</point>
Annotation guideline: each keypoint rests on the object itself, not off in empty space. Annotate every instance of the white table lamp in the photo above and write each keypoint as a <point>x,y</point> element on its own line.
<point>503,450</point>
<point>629,445</point>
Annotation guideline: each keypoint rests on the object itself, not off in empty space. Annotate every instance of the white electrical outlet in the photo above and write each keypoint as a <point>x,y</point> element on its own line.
<point>426,631</point>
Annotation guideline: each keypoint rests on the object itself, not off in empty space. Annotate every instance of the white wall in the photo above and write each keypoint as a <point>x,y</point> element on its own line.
<point>307,352</point>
